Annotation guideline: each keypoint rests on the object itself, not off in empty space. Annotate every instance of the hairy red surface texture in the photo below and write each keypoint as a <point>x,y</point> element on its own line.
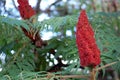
<point>26,11</point>
<point>89,52</point>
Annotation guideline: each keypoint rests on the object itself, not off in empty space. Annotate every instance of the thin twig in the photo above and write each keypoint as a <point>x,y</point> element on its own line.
<point>54,3</point>
<point>73,76</point>
<point>14,4</point>
<point>107,65</point>
<point>20,49</point>
<point>50,75</point>
<point>16,55</point>
<point>8,77</point>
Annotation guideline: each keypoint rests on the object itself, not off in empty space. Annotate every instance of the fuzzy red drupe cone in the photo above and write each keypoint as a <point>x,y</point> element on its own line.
<point>25,9</point>
<point>89,52</point>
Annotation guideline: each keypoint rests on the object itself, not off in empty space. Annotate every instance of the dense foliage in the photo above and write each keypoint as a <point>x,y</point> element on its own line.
<point>19,62</point>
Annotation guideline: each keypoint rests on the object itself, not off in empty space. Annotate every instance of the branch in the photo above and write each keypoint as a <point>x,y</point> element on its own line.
<point>50,75</point>
<point>73,76</point>
<point>114,4</point>
<point>14,4</point>
<point>48,9</point>
<point>19,50</point>
<point>16,55</point>
<point>54,3</point>
<point>9,12</point>
<point>93,74</point>
<point>93,71</point>
<point>102,5</point>
<point>93,5</point>
<point>38,6</point>
<point>107,65</point>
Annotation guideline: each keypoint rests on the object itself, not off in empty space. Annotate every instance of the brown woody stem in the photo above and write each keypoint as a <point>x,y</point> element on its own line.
<point>107,65</point>
<point>93,71</point>
<point>93,74</point>
<point>73,76</point>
